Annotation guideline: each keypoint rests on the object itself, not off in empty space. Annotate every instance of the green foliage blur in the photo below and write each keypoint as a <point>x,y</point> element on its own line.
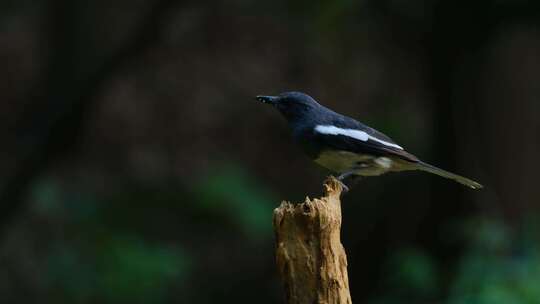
<point>497,267</point>
<point>98,252</point>
<point>96,255</point>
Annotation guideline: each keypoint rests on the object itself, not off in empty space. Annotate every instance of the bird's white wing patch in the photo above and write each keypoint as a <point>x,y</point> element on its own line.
<point>333,130</point>
<point>356,134</point>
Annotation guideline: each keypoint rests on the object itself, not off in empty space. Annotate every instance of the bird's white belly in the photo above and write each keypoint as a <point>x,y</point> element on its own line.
<point>361,164</point>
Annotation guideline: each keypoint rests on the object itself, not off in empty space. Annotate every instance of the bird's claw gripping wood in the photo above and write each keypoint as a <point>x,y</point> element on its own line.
<point>347,175</point>
<point>344,187</point>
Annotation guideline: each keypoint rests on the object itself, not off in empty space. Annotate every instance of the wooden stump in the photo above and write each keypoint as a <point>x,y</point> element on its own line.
<point>310,257</point>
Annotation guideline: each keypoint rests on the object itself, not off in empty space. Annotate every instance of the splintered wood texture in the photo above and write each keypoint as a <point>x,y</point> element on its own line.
<point>310,257</point>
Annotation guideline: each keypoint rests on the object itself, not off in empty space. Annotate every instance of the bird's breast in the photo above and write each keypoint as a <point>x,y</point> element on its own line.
<point>341,161</point>
<point>360,164</point>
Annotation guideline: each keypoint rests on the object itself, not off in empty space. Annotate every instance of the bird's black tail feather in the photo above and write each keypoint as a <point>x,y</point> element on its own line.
<point>440,172</point>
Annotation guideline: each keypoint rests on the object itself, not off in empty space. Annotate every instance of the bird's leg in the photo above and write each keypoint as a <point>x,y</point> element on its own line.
<point>344,175</point>
<point>341,178</point>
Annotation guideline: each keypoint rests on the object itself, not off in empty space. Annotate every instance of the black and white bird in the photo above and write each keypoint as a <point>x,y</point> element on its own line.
<point>344,145</point>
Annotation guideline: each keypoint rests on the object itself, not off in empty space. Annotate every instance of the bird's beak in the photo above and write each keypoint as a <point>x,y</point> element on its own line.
<point>267,99</point>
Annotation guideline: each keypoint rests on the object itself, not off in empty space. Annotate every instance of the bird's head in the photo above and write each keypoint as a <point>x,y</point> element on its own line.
<point>292,105</point>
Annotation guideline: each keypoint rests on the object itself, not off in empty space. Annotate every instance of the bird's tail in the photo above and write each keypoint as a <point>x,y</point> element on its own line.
<point>440,172</point>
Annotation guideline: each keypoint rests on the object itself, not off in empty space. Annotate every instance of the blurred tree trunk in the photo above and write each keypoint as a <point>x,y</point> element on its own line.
<point>310,257</point>
<point>478,119</point>
<point>73,78</point>
<point>484,75</point>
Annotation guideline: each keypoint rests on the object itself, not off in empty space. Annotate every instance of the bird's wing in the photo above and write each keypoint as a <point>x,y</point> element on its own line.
<point>346,134</point>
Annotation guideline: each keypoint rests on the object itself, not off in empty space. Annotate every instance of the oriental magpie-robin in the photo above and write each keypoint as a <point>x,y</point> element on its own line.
<point>344,145</point>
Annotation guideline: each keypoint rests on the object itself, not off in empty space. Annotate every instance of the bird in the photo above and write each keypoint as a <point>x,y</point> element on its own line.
<point>344,145</point>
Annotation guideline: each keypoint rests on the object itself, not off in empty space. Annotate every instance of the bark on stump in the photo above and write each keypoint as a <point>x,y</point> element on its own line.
<point>310,257</point>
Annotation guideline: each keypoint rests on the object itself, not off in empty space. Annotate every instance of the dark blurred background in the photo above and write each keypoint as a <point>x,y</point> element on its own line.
<point>137,168</point>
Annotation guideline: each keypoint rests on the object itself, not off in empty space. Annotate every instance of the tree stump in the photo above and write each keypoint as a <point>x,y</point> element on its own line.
<point>310,257</point>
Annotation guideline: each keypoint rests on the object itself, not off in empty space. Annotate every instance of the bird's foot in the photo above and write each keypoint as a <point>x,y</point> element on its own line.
<point>344,187</point>
<point>342,177</point>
